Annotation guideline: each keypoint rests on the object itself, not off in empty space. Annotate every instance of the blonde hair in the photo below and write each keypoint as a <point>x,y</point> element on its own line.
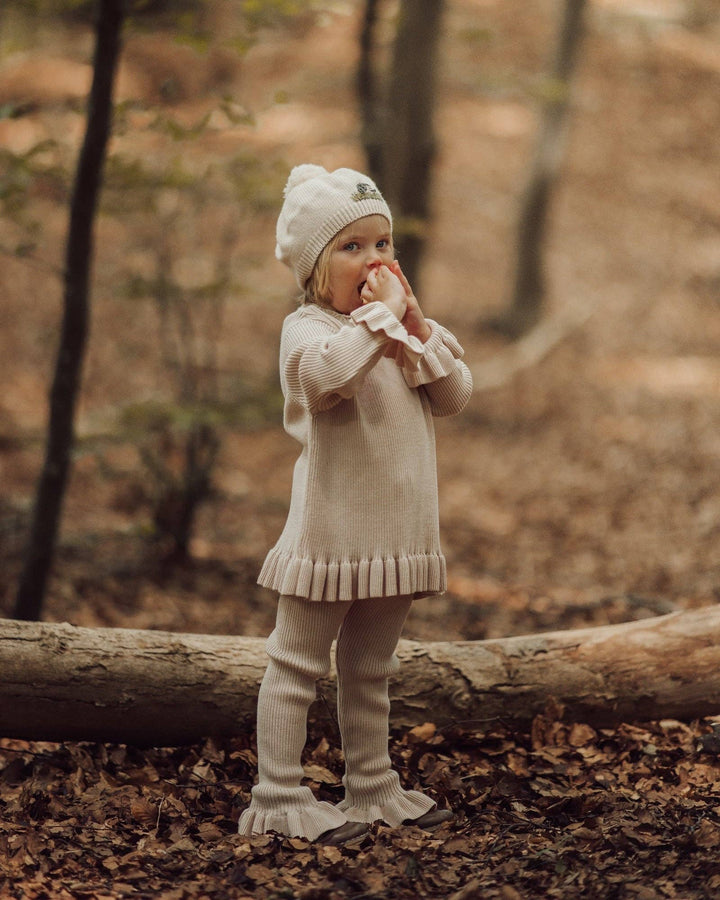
<point>317,287</point>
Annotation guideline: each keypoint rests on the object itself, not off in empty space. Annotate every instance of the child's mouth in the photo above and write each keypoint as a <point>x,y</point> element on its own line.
<point>361,286</point>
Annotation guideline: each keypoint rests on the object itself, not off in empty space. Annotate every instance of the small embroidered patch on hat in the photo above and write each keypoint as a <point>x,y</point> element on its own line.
<point>366,191</point>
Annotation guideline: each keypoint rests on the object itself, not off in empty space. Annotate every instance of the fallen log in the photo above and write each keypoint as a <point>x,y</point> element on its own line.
<point>59,682</point>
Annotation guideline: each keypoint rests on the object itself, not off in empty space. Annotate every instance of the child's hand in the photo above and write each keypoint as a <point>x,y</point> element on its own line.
<point>414,320</point>
<point>385,286</point>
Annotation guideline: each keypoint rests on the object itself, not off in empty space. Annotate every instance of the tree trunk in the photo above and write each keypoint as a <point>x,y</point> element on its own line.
<point>68,368</point>
<point>409,144</point>
<point>154,688</point>
<point>369,99</point>
<point>529,287</point>
<point>397,120</point>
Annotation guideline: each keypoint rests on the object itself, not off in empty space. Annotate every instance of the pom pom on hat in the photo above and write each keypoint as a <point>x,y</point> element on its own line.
<point>300,174</point>
<point>319,204</point>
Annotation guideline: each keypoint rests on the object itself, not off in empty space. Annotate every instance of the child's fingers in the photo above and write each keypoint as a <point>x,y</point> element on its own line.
<point>395,267</point>
<point>367,289</point>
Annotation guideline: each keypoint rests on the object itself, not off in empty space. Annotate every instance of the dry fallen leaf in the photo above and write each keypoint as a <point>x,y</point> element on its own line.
<point>144,812</point>
<point>421,733</point>
<point>259,873</point>
<point>209,831</point>
<point>581,734</point>
<point>707,835</point>
<point>320,774</point>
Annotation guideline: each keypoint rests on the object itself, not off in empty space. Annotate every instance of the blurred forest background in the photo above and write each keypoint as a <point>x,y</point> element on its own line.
<point>582,484</point>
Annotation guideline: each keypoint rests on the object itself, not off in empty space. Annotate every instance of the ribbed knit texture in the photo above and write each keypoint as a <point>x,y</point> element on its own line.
<point>360,396</point>
<point>318,205</point>
<point>299,651</point>
<point>365,659</point>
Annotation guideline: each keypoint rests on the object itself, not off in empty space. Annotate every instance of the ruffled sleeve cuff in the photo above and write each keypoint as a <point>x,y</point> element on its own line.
<point>441,350</point>
<point>378,318</point>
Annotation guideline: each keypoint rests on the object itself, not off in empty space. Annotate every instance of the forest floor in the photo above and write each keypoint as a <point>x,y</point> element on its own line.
<point>581,486</point>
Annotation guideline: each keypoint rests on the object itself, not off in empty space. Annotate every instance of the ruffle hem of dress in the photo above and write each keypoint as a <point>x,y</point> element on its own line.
<point>421,575</point>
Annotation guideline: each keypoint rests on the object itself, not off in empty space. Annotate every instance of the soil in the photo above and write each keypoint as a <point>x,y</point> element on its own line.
<point>581,486</point>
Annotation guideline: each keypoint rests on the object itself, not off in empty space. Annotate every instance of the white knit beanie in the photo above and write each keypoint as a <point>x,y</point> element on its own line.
<point>319,204</point>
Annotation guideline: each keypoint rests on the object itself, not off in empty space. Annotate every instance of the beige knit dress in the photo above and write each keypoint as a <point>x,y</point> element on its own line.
<point>360,396</point>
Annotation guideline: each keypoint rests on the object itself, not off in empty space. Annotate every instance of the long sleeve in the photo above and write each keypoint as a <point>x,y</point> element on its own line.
<point>441,373</point>
<point>321,365</point>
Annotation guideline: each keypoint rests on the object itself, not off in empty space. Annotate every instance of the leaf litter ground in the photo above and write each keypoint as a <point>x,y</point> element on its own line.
<point>583,491</point>
<point>563,811</point>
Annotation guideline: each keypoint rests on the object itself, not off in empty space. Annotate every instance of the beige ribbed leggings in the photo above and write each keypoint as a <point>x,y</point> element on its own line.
<point>299,649</point>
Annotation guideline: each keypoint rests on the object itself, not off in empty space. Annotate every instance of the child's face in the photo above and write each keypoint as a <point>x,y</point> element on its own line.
<point>364,245</point>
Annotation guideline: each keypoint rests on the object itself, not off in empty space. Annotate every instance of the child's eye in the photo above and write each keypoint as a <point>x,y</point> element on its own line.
<point>351,245</point>
<point>383,244</point>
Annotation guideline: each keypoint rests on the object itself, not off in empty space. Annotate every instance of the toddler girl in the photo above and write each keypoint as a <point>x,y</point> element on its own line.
<point>363,373</point>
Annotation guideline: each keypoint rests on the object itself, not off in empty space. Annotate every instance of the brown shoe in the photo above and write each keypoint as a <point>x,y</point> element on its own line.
<point>350,831</point>
<point>431,819</point>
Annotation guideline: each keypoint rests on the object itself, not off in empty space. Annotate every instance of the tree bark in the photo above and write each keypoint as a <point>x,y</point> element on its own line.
<point>529,288</point>
<point>369,97</point>
<point>71,350</point>
<point>155,688</point>
<point>396,111</point>
<point>408,138</point>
